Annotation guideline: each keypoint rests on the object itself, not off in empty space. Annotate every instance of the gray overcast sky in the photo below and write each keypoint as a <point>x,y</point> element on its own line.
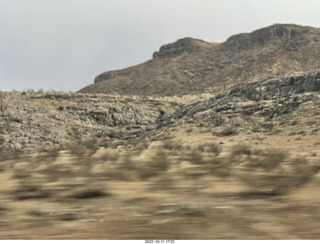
<point>63,45</point>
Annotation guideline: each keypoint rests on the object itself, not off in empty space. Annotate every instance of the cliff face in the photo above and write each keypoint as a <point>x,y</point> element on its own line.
<point>186,45</point>
<point>275,33</point>
<point>191,66</point>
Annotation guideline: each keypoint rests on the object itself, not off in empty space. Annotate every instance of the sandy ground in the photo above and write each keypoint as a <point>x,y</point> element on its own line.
<point>64,198</point>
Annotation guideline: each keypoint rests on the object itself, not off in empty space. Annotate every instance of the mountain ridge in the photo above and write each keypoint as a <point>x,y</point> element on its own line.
<point>191,66</point>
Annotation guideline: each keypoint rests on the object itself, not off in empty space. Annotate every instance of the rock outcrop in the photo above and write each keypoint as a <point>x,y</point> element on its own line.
<point>37,122</point>
<point>185,45</point>
<point>242,107</point>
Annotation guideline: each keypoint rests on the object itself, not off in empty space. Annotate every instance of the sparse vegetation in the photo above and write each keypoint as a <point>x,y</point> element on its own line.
<point>241,149</point>
<point>210,148</point>
<point>273,171</point>
<point>227,131</point>
<point>140,166</point>
<point>220,167</point>
<point>172,145</point>
<point>195,157</point>
<point>158,164</point>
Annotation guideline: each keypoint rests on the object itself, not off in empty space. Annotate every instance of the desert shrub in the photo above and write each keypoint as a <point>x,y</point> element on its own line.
<point>4,155</point>
<point>76,149</point>
<point>47,156</point>
<point>162,137</point>
<point>2,140</point>
<point>126,163</point>
<point>91,144</point>
<point>241,149</point>
<point>195,157</point>
<point>104,143</point>
<point>210,148</point>
<point>270,159</point>
<point>267,126</point>
<point>115,144</point>
<point>172,145</point>
<point>30,91</point>
<point>84,147</point>
<point>109,156</point>
<point>220,167</point>
<point>20,174</point>
<point>160,161</point>
<point>201,148</point>
<point>303,170</point>
<point>142,145</point>
<point>228,131</point>
<point>158,164</point>
<point>29,190</point>
<point>272,173</point>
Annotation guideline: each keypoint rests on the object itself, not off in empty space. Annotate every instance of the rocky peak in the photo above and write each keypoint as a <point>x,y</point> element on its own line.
<point>185,45</point>
<point>265,35</point>
<point>190,66</point>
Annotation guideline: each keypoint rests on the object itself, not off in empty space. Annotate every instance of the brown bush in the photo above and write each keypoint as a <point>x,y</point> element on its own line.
<point>210,148</point>
<point>84,147</point>
<point>195,157</point>
<point>156,165</point>
<point>241,149</point>
<point>172,145</point>
<point>269,160</point>
<point>228,131</point>
<point>303,170</point>
<point>220,167</point>
<point>272,173</point>
<point>48,156</point>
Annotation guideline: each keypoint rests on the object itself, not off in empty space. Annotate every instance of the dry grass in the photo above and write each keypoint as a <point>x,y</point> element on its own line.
<point>158,164</point>
<point>210,148</point>
<point>195,157</point>
<point>172,145</point>
<point>272,170</point>
<point>83,147</point>
<point>241,149</point>
<point>220,167</point>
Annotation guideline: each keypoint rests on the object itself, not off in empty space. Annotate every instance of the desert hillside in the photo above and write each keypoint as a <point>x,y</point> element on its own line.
<point>241,164</point>
<point>157,158</point>
<point>192,66</point>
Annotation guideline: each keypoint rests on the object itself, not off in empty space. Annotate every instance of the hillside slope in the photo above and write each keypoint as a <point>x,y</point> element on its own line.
<point>191,66</point>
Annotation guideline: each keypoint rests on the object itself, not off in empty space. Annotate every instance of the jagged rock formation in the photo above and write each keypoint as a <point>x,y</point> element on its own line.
<point>243,106</point>
<point>37,122</point>
<point>186,45</point>
<point>191,66</point>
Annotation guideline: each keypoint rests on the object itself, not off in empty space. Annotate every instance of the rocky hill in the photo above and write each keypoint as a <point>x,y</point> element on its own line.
<point>253,107</point>
<point>77,165</point>
<point>33,122</point>
<point>191,66</point>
